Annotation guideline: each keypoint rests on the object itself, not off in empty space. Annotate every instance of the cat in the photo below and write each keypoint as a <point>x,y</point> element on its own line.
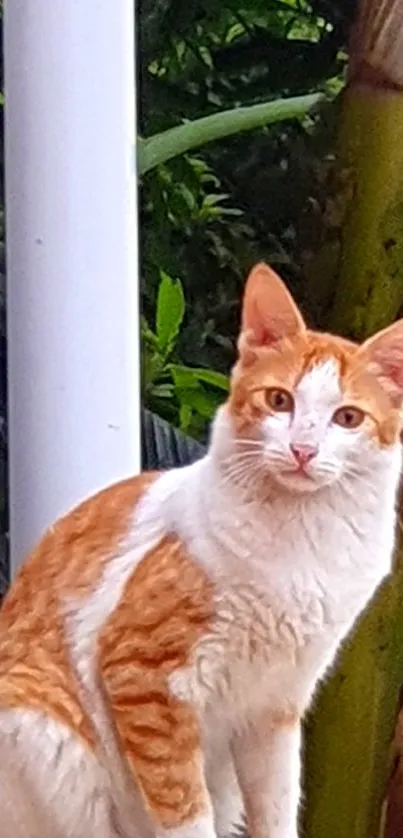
<point>161,645</point>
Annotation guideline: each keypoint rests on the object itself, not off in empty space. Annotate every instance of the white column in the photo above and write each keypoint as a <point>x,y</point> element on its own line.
<point>71,256</point>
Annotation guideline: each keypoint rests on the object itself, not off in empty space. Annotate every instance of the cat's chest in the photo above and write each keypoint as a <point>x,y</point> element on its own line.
<point>289,581</point>
<point>288,587</point>
<point>278,620</point>
<point>273,618</point>
<point>291,545</point>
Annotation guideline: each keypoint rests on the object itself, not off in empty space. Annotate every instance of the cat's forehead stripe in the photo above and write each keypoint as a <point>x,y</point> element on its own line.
<point>323,378</point>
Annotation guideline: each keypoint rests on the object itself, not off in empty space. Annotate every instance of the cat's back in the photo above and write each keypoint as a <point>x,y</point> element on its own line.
<point>68,563</point>
<point>72,553</point>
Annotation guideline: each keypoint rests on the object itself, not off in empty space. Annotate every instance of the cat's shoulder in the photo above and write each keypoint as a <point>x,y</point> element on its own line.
<point>72,553</point>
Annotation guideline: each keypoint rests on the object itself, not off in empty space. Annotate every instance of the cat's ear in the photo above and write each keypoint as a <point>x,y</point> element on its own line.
<point>269,312</point>
<point>382,354</point>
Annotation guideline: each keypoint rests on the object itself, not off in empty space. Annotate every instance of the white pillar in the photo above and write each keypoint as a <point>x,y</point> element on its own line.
<point>72,256</point>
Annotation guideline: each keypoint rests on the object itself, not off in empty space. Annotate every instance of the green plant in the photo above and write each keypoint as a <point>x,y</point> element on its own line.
<point>187,396</point>
<point>205,66</point>
<point>163,146</point>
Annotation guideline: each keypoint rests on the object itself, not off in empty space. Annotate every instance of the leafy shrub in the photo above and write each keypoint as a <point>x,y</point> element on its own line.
<point>187,396</point>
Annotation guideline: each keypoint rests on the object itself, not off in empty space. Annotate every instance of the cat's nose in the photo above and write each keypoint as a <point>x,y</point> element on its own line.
<point>303,453</point>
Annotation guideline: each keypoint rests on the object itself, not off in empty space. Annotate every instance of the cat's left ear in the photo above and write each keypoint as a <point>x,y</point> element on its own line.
<point>382,354</point>
<point>269,312</point>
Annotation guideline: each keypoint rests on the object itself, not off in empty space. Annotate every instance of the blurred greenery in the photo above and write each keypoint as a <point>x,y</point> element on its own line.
<point>207,215</point>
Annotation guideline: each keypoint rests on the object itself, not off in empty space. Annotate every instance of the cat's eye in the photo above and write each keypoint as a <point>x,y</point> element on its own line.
<point>281,401</point>
<point>349,417</point>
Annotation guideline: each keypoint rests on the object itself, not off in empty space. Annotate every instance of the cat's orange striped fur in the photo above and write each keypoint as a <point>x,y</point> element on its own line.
<point>67,562</point>
<point>161,644</point>
<point>166,608</point>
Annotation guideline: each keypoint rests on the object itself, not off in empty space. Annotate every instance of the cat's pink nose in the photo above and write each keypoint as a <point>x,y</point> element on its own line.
<point>303,453</point>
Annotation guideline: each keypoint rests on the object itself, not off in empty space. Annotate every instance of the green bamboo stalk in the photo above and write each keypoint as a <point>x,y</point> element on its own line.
<point>162,147</point>
<point>369,291</point>
<point>351,730</point>
<point>349,735</point>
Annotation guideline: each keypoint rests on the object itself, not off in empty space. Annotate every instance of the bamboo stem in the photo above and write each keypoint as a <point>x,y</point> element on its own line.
<point>350,733</point>
<point>348,760</point>
<point>369,290</point>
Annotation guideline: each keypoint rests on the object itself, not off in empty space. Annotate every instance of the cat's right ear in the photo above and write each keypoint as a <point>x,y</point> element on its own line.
<point>269,312</point>
<point>383,356</point>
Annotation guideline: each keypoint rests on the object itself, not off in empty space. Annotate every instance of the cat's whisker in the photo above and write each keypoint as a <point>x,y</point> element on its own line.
<point>235,474</point>
<point>248,456</point>
<point>353,471</point>
<point>251,449</point>
<point>251,442</point>
<point>241,473</point>
<point>327,469</point>
<point>250,452</point>
<point>243,456</point>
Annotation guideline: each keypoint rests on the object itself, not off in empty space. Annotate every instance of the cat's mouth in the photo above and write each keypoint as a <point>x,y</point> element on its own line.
<point>298,470</point>
<point>298,479</point>
<point>303,478</point>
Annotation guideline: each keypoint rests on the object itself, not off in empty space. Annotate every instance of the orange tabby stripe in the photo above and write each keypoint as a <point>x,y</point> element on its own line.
<point>35,669</point>
<point>165,609</point>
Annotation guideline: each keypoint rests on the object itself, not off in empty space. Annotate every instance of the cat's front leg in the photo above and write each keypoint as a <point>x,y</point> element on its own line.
<point>267,762</point>
<point>161,743</point>
<point>170,777</point>
<point>178,802</point>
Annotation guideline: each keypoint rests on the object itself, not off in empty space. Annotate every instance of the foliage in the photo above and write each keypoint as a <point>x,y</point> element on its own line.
<point>208,214</point>
<point>167,144</point>
<point>188,396</point>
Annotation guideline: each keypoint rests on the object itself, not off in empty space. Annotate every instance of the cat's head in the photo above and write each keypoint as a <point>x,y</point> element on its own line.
<point>306,408</point>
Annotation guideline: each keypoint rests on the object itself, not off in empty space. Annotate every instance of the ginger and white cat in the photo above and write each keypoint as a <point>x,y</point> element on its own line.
<point>161,645</point>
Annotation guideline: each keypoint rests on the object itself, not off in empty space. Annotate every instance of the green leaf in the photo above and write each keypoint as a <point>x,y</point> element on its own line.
<point>153,367</point>
<point>147,336</point>
<point>183,376</point>
<point>162,391</point>
<point>187,195</point>
<point>167,144</point>
<point>205,54</point>
<point>170,311</point>
<point>211,200</point>
<point>236,213</point>
<point>185,416</point>
<point>216,379</point>
<point>199,400</point>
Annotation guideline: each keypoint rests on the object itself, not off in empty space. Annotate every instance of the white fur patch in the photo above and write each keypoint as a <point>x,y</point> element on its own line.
<point>55,776</point>
<point>320,385</point>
